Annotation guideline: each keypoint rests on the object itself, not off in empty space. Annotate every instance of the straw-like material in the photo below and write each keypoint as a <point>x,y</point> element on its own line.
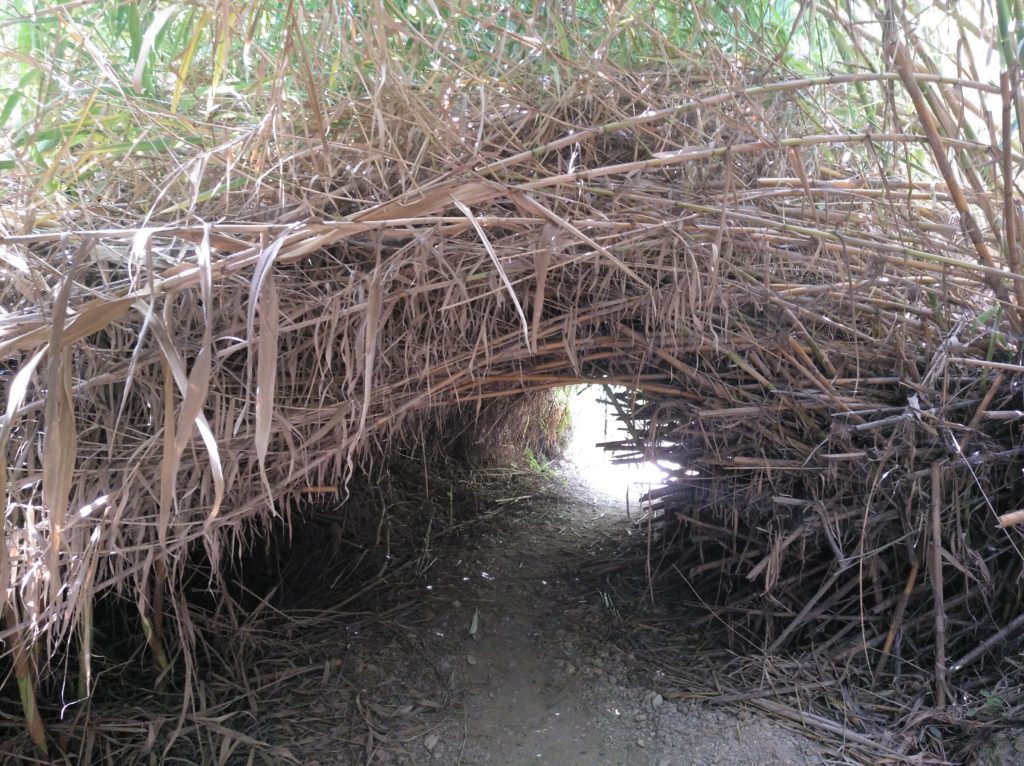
<point>816,309</point>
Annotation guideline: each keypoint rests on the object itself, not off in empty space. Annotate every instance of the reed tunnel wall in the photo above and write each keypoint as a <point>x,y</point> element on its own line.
<point>805,327</point>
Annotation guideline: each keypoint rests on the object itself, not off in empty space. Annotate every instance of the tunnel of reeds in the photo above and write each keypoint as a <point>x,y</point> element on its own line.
<point>228,310</point>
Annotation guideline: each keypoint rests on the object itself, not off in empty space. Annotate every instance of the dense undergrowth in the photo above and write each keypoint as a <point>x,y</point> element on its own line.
<point>250,252</point>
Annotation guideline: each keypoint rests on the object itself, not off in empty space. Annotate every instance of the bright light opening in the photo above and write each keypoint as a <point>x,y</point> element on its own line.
<point>594,422</point>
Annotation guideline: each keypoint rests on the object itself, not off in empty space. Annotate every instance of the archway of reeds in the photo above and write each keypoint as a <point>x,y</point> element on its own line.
<point>814,284</point>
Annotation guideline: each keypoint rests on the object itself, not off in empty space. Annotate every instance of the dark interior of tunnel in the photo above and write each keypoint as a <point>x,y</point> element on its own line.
<point>703,548</point>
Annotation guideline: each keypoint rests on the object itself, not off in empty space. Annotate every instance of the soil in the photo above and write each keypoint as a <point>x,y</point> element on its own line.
<point>501,652</point>
<point>518,630</point>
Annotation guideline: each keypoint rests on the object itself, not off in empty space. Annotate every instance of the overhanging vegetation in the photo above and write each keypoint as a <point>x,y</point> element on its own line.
<point>247,250</point>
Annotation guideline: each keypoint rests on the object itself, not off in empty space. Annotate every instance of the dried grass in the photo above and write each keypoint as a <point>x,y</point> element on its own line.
<point>816,295</point>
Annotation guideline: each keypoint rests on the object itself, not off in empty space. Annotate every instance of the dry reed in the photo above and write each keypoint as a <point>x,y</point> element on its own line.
<point>818,301</point>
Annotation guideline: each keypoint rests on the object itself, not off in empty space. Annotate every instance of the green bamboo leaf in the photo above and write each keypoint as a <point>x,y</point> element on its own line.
<point>132,147</point>
<point>17,94</point>
<point>133,24</point>
<point>188,55</point>
<point>142,81</point>
<point>26,39</point>
<point>223,46</point>
<point>1003,16</point>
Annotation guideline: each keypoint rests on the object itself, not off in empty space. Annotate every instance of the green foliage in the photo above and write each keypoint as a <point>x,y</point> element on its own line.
<point>538,466</point>
<point>97,94</point>
<point>991,705</point>
<point>85,86</point>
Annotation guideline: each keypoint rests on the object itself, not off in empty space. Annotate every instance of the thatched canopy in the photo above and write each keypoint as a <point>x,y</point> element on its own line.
<point>812,282</point>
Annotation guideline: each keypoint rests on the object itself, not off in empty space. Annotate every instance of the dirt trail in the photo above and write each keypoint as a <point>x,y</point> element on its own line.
<point>498,644</point>
<point>533,673</point>
<point>525,701</point>
<point>498,653</point>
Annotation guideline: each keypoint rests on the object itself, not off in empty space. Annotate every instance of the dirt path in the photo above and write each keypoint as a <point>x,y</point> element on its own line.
<point>499,644</point>
<point>498,653</point>
<point>533,670</point>
<point>525,696</point>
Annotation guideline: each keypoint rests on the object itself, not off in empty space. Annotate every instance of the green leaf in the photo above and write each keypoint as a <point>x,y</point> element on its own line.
<point>142,81</point>
<point>17,94</point>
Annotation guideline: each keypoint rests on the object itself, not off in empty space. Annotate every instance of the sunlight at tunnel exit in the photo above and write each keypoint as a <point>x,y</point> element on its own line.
<point>593,422</point>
